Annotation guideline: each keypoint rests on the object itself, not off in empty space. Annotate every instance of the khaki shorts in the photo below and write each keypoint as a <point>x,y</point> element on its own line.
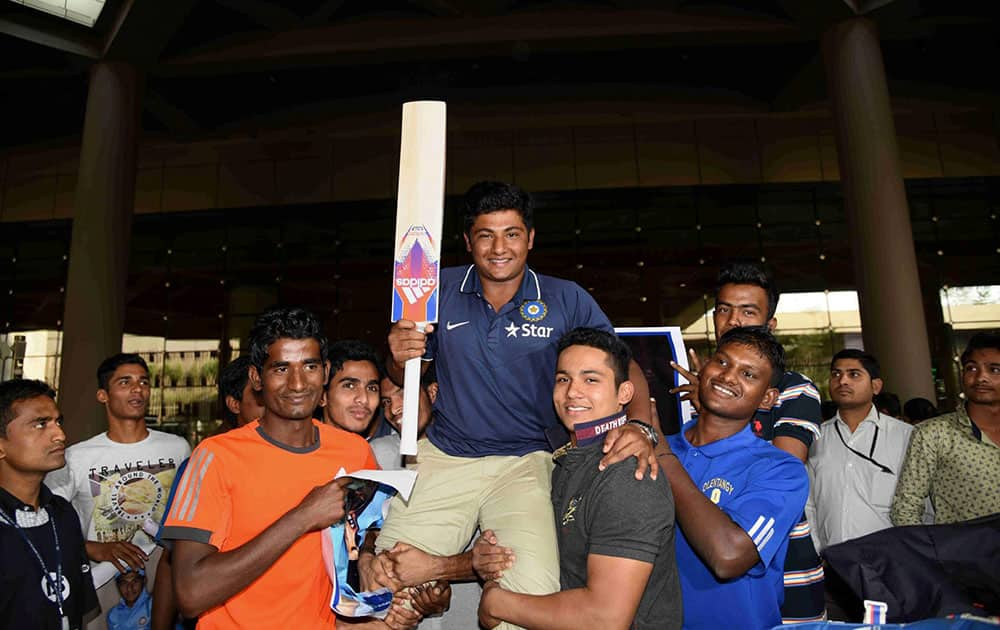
<point>455,495</point>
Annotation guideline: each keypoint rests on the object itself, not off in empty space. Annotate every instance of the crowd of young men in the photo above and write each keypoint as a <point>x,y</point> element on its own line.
<point>542,470</point>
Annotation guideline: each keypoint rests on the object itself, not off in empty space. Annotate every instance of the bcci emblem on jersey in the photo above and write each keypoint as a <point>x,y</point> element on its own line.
<point>534,310</point>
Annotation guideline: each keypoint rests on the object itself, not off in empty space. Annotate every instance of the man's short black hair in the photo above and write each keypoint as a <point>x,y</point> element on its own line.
<point>429,377</point>
<point>109,365</point>
<point>761,341</point>
<point>617,350</point>
<point>987,340</point>
<point>486,197</point>
<point>887,402</point>
<point>232,382</point>
<point>919,409</point>
<point>16,390</point>
<point>346,350</point>
<point>866,359</point>
<point>283,322</point>
<point>746,271</point>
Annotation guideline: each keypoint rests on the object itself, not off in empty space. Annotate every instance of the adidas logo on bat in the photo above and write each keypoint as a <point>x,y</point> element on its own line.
<point>416,288</point>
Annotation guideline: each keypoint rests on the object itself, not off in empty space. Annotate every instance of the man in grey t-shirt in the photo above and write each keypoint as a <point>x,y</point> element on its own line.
<point>615,533</point>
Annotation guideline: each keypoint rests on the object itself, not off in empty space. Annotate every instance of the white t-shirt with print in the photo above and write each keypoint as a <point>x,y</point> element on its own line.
<point>115,488</point>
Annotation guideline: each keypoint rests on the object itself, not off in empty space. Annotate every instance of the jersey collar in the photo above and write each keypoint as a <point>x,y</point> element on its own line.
<point>589,433</point>
<point>873,417</point>
<point>530,288</point>
<point>740,440</point>
<point>10,503</point>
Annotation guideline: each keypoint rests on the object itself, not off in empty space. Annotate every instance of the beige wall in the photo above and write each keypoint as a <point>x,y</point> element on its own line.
<point>295,167</point>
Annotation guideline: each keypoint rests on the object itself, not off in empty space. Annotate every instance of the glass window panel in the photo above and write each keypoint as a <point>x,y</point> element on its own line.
<point>971,307</point>
<point>31,354</point>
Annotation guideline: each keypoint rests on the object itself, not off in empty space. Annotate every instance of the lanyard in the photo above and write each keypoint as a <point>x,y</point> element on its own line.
<point>54,584</point>
<point>871,451</point>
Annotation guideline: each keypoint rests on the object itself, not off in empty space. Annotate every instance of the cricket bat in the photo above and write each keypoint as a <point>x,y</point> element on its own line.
<point>417,256</point>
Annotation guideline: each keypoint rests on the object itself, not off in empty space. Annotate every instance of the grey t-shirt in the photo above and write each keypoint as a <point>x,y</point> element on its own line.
<point>611,513</point>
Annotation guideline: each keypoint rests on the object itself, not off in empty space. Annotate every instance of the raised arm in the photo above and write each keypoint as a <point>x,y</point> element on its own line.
<point>724,546</point>
<point>630,440</point>
<point>405,343</point>
<point>797,420</point>
<point>638,407</point>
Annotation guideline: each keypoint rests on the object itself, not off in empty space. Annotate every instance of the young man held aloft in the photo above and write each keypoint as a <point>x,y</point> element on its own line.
<point>485,461</point>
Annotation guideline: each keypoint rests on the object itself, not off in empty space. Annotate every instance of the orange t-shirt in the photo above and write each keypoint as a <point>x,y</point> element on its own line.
<point>236,485</point>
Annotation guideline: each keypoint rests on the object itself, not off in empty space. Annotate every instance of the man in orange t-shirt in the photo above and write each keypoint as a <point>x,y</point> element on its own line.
<point>251,506</point>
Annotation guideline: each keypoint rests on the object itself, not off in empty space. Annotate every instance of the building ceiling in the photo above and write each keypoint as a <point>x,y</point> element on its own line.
<point>219,67</point>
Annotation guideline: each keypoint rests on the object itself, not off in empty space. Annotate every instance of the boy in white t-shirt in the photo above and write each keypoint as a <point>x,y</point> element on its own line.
<point>119,480</point>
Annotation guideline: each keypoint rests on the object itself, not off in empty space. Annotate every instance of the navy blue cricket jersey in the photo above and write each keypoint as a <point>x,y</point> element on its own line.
<point>496,370</point>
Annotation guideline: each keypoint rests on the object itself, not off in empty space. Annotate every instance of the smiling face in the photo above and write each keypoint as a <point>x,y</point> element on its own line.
<point>291,381</point>
<point>738,305</point>
<point>392,404</point>
<point>585,387</point>
<point>35,442</point>
<point>352,396</point>
<point>851,386</point>
<point>735,382</point>
<point>981,377</point>
<point>499,243</point>
<point>127,395</point>
<point>130,586</point>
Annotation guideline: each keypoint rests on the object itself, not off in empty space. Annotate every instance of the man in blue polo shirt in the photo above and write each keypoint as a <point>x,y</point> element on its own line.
<point>486,459</point>
<point>737,497</point>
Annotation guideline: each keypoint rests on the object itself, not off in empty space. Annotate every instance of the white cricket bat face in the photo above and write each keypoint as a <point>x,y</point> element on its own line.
<point>419,212</point>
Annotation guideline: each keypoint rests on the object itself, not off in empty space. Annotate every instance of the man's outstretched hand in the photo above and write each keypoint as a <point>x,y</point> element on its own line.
<point>689,390</point>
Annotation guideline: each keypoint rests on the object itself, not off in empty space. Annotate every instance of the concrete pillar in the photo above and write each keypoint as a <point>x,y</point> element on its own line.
<point>948,384</point>
<point>94,319</point>
<point>885,262</point>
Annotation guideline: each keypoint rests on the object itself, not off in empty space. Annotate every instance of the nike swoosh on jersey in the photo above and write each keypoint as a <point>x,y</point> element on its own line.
<point>451,326</point>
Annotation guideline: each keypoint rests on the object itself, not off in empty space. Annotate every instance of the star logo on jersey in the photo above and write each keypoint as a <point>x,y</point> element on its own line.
<point>528,330</point>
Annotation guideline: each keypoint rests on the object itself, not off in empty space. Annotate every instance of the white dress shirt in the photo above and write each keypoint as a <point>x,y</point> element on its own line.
<point>849,494</point>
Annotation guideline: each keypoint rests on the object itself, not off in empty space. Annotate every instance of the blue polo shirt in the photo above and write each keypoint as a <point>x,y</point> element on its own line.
<point>496,369</point>
<point>138,617</point>
<point>764,490</point>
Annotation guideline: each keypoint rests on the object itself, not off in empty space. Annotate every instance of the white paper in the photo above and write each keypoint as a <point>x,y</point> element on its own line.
<point>400,480</point>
